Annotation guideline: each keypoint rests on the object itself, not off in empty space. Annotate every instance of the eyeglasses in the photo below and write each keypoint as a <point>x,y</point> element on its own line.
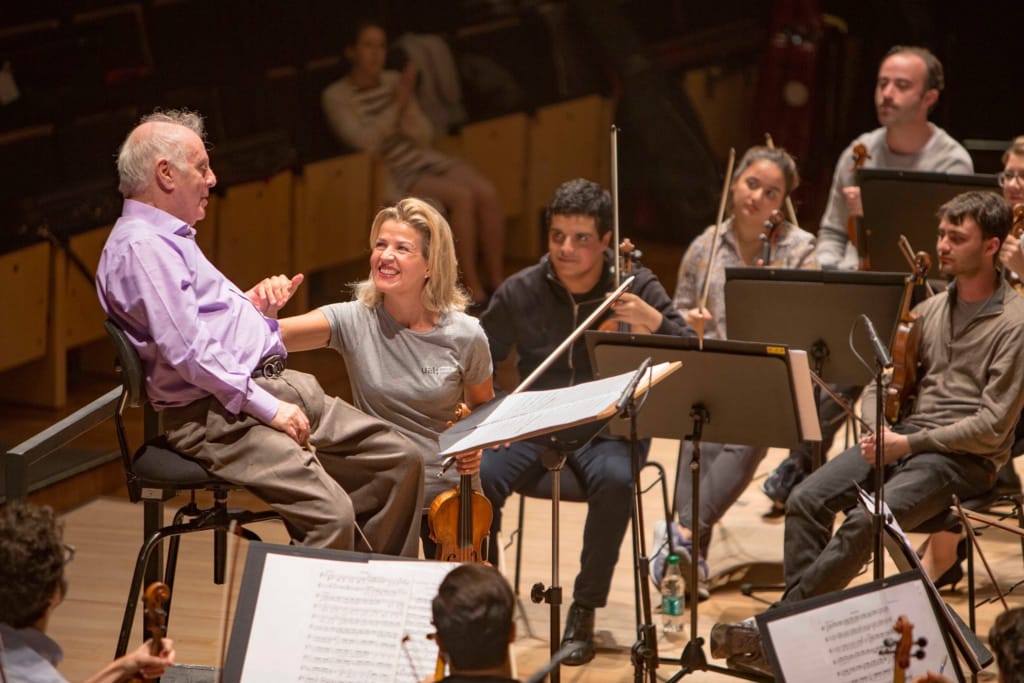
<point>1007,177</point>
<point>69,553</point>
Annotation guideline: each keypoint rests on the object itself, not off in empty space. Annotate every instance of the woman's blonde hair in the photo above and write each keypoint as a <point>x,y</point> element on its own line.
<point>442,290</point>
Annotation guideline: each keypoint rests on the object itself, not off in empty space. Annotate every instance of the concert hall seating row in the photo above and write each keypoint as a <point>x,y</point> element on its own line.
<point>272,213</point>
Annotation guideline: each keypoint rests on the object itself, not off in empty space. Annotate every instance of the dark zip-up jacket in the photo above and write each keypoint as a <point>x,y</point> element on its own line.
<point>533,312</point>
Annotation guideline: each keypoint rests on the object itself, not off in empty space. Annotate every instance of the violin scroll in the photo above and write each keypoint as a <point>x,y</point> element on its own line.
<point>900,648</point>
<point>1018,221</point>
<point>1016,230</point>
<point>154,602</point>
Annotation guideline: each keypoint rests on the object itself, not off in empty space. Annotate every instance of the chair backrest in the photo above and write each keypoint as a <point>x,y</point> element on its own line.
<point>133,379</point>
<point>133,393</point>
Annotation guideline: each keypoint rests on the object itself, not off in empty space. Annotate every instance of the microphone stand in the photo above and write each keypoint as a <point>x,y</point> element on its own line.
<point>883,378</point>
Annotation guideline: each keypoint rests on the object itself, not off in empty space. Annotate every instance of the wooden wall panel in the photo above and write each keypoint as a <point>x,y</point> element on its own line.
<point>25,276</point>
<point>332,212</point>
<point>254,230</point>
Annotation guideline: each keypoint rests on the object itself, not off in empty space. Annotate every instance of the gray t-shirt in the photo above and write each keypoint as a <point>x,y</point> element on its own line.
<point>941,154</point>
<point>411,379</point>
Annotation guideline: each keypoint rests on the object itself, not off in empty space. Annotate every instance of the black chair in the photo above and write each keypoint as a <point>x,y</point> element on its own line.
<point>571,490</point>
<point>1001,501</point>
<point>155,473</point>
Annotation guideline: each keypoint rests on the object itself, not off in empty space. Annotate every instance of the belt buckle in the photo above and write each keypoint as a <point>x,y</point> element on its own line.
<point>271,367</point>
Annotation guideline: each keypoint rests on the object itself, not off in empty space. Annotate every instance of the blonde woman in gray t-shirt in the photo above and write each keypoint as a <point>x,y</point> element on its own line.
<point>412,353</point>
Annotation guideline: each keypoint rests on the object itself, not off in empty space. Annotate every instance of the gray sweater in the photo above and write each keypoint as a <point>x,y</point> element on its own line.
<point>970,387</point>
<point>942,154</point>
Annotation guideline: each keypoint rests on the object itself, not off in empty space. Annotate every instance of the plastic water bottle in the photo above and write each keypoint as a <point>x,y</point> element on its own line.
<point>672,602</point>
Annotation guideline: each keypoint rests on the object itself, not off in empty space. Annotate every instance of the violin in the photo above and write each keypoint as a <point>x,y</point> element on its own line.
<point>155,618</point>
<point>1016,230</point>
<point>460,518</point>
<point>855,231</point>
<point>768,237</point>
<point>906,339</point>
<point>628,256</point>
<point>900,649</point>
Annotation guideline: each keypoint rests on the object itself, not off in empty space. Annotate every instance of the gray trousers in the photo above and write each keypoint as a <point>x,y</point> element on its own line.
<point>917,488</point>
<point>362,471</point>
<point>725,471</point>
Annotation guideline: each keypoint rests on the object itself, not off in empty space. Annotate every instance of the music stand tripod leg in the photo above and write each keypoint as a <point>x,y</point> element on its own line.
<point>553,460</point>
<point>693,658</point>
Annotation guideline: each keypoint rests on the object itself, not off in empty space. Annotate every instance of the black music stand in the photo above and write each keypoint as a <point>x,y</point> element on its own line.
<point>813,310</point>
<point>905,202</point>
<point>735,392</point>
<point>559,441</point>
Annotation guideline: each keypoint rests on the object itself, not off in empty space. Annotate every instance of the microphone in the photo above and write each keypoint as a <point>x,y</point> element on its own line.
<point>881,353</point>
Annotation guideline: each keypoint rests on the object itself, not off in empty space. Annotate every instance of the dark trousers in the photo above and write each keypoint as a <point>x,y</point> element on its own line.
<point>606,472</point>
<point>917,488</point>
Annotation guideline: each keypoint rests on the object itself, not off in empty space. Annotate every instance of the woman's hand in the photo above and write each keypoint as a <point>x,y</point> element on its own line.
<point>469,463</point>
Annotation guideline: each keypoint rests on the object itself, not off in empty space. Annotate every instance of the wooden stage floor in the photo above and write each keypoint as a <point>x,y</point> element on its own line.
<point>107,532</point>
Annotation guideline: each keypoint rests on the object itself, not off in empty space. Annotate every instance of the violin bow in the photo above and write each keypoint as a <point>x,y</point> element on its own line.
<point>790,211</point>
<point>615,201</point>
<point>841,403</point>
<point>714,247</point>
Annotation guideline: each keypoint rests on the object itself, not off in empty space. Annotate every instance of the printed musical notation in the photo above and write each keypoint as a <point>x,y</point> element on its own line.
<point>842,638</point>
<point>320,621</point>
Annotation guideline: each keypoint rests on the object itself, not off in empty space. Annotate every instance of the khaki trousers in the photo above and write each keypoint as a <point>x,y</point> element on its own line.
<point>362,470</point>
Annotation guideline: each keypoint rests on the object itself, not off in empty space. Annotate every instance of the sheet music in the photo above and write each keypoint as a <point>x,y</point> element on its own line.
<point>530,413</point>
<point>841,641</point>
<point>320,620</point>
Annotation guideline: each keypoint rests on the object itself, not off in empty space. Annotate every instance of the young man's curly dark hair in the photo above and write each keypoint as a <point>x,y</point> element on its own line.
<point>31,562</point>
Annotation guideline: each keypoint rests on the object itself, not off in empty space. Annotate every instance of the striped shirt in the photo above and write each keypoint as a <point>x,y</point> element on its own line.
<point>368,119</point>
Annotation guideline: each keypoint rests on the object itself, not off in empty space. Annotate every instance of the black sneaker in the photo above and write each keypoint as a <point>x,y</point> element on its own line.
<point>781,482</point>
<point>732,640</point>
<point>579,629</point>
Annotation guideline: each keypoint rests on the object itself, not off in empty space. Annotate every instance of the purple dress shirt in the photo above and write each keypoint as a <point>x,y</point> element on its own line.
<point>195,331</point>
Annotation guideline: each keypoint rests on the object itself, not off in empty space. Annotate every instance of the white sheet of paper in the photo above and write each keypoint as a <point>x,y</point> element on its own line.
<point>324,620</point>
<point>841,641</point>
<point>531,412</point>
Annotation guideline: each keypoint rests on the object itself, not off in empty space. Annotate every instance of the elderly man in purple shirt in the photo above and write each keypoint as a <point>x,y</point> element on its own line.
<point>213,361</point>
